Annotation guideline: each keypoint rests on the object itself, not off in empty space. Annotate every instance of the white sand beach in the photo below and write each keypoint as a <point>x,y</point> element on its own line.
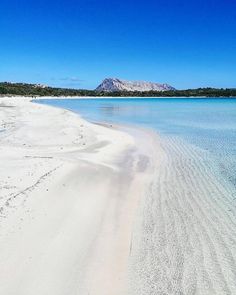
<point>68,193</point>
<point>88,209</point>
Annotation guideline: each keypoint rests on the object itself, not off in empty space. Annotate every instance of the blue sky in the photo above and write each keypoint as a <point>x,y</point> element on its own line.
<point>76,44</point>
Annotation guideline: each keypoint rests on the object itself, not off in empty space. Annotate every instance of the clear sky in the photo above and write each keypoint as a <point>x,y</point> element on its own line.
<point>77,43</point>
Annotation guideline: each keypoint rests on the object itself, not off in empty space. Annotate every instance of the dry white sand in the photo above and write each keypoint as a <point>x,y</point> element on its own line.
<point>68,194</point>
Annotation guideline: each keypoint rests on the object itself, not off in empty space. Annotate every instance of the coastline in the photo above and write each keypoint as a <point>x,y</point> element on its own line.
<point>112,97</point>
<point>69,193</point>
<point>126,213</point>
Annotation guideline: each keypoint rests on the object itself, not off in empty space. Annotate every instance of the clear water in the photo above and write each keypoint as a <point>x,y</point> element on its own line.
<point>209,124</point>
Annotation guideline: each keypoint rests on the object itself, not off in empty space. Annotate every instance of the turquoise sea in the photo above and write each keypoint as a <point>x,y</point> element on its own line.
<point>207,123</point>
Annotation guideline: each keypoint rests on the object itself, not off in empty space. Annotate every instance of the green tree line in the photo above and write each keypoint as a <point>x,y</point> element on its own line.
<point>23,89</point>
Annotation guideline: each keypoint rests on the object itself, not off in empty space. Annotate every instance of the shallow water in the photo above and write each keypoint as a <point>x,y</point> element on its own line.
<point>209,124</point>
<point>184,234</point>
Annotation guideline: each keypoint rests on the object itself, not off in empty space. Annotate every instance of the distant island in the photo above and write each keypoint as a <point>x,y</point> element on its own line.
<point>113,87</point>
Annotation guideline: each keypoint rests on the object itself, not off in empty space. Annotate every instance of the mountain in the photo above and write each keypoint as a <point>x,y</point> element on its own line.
<point>114,84</point>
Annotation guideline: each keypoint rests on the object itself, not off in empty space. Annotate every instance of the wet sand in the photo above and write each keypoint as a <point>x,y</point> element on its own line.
<point>187,223</point>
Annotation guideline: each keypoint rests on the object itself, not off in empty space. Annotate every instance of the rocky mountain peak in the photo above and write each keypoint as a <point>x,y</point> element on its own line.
<point>115,84</point>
